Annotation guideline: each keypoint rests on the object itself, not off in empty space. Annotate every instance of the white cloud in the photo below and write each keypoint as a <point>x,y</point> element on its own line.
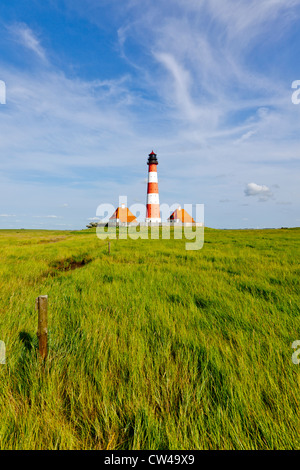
<point>46,216</point>
<point>55,124</point>
<point>253,189</point>
<point>245,137</point>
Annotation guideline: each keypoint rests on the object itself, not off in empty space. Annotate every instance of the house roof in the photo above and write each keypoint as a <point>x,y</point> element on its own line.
<point>182,215</point>
<point>123,214</point>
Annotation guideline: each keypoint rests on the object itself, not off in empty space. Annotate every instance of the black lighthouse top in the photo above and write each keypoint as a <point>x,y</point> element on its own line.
<point>152,160</point>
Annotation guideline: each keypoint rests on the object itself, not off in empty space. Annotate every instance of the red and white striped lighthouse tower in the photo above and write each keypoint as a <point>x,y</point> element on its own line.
<point>153,212</point>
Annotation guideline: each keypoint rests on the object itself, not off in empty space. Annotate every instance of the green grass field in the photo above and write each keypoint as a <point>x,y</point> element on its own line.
<point>152,346</point>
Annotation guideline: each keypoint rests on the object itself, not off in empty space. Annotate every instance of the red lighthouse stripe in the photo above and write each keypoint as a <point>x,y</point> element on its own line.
<point>152,167</point>
<point>153,211</point>
<point>152,188</point>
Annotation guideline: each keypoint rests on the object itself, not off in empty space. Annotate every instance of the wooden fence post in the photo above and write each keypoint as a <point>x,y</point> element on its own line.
<point>42,306</point>
<point>109,248</point>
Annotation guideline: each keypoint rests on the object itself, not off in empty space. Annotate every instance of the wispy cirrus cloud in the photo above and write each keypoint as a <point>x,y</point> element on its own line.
<point>211,76</point>
<point>182,83</point>
<point>46,216</point>
<point>204,84</point>
<point>25,36</point>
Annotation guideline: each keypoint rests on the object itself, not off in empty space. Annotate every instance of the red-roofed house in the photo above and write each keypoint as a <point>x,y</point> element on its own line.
<point>180,216</point>
<point>122,216</point>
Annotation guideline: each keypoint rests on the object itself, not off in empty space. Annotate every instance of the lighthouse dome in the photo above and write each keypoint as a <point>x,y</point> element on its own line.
<point>152,158</point>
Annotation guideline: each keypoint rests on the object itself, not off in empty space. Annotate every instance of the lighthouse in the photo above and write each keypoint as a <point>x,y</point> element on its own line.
<point>153,212</point>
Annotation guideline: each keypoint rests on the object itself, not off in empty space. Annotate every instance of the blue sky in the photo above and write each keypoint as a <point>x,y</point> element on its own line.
<point>92,86</point>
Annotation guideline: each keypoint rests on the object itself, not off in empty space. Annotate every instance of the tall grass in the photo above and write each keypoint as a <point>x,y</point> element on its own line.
<point>152,346</point>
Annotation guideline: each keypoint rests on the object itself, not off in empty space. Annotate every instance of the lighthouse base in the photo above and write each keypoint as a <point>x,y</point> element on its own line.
<point>153,220</point>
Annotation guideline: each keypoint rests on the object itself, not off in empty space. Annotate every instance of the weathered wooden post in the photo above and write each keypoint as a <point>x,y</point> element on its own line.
<point>2,352</point>
<point>109,248</point>
<point>42,307</point>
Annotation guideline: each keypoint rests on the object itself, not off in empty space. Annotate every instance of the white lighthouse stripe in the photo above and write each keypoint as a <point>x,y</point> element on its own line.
<point>152,177</point>
<point>153,198</point>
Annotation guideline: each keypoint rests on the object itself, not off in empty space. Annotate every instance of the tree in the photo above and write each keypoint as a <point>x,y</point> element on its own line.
<point>92,225</point>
